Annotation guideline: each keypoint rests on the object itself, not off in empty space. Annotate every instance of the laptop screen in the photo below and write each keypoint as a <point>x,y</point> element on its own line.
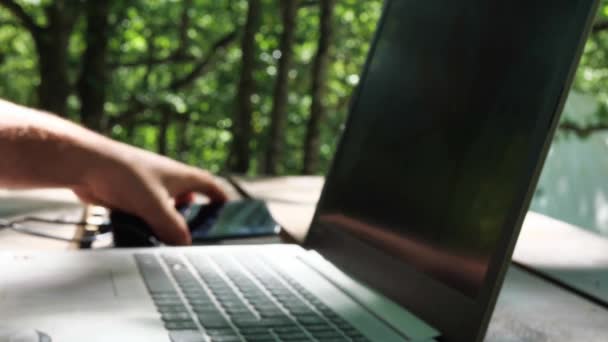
<point>441,135</point>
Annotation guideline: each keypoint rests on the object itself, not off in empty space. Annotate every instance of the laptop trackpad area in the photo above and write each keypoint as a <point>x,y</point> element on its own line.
<point>34,277</point>
<point>71,294</point>
<point>72,277</point>
<point>56,282</point>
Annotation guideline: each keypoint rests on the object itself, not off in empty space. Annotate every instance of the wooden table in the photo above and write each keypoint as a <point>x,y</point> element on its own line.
<point>48,203</point>
<point>529,308</point>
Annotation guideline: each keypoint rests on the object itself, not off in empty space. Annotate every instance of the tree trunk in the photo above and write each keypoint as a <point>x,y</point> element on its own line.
<point>92,82</point>
<point>242,128</point>
<point>278,116</point>
<point>318,89</point>
<point>130,129</point>
<point>52,44</point>
<point>54,86</point>
<point>183,143</point>
<point>163,129</point>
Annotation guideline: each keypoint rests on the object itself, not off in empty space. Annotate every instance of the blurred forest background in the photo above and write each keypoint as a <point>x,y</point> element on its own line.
<point>247,86</point>
<point>257,86</point>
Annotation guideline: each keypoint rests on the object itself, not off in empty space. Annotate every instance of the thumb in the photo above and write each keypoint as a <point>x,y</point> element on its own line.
<point>168,224</point>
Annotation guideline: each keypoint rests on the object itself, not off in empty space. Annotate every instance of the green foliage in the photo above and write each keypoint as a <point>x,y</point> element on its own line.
<point>18,63</point>
<point>199,133</point>
<point>592,75</point>
<point>149,50</point>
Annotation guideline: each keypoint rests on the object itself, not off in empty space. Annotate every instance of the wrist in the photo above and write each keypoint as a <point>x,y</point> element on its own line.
<point>101,158</point>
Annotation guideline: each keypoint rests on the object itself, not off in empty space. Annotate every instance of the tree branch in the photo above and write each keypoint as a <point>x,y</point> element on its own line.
<point>177,56</point>
<point>599,26</point>
<point>137,106</point>
<point>155,120</point>
<point>172,58</point>
<point>10,22</point>
<point>183,28</point>
<point>18,11</point>
<point>201,67</point>
<point>582,131</point>
<point>309,3</point>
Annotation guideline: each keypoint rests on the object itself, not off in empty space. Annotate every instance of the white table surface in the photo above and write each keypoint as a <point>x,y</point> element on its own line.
<point>49,203</point>
<point>528,308</point>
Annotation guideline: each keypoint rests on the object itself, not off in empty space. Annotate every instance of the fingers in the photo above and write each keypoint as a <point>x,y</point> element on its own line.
<point>202,182</point>
<point>184,199</point>
<point>88,198</point>
<point>168,225</point>
<point>84,196</point>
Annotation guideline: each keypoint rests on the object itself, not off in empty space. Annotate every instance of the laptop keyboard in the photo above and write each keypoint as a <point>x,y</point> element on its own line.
<point>221,298</point>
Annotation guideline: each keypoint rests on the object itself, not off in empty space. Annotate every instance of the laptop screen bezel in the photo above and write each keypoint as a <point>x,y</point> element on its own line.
<point>457,316</point>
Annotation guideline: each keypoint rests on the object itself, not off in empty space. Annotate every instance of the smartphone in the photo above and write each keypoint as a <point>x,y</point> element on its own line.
<point>207,223</point>
<point>230,220</point>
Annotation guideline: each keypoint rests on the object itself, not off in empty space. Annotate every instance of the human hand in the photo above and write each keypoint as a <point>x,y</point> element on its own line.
<point>41,150</point>
<point>145,184</point>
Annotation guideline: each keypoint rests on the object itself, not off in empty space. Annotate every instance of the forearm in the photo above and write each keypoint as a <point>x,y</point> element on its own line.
<point>42,150</point>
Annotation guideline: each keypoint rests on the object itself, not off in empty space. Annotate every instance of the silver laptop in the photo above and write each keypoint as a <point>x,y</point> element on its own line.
<point>414,230</point>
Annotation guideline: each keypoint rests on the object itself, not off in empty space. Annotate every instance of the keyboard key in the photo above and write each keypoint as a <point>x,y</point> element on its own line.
<point>325,335</point>
<point>153,274</point>
<point>287,330</point>
<point>220,332</point>
<point>195,292</point>
<point>234,338</point>
<point>213,322</point>
<point>199,297</point>
<point>242,315</point>
<point>310,320</point>
<point>299,310</point>
<point>271,314</point>
<point>176,317</point>
<point>318,328</point>
<point>249,322</point>
<point>165,295</point>
<point>235,310</point>
<point>205,310</point>
<point>171,308</point>
<point>201,302</point>
<point>260,336</point>
<point>262,304</point>
<point>186,336</point>
<point>293,336</point>
<point>234,303</point>
<point>168,301</point>
<point>180,325</point>
<point>269,338</point>
<point>266,322</point>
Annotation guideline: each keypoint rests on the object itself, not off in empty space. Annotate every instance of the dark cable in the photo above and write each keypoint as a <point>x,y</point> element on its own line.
<point>17,226</point>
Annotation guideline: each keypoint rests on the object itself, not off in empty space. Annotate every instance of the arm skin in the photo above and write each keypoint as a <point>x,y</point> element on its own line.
<point>42,150</point>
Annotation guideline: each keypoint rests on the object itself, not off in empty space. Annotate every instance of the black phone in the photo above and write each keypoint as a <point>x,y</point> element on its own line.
<point>207,223</point>
<point>230,220</point>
